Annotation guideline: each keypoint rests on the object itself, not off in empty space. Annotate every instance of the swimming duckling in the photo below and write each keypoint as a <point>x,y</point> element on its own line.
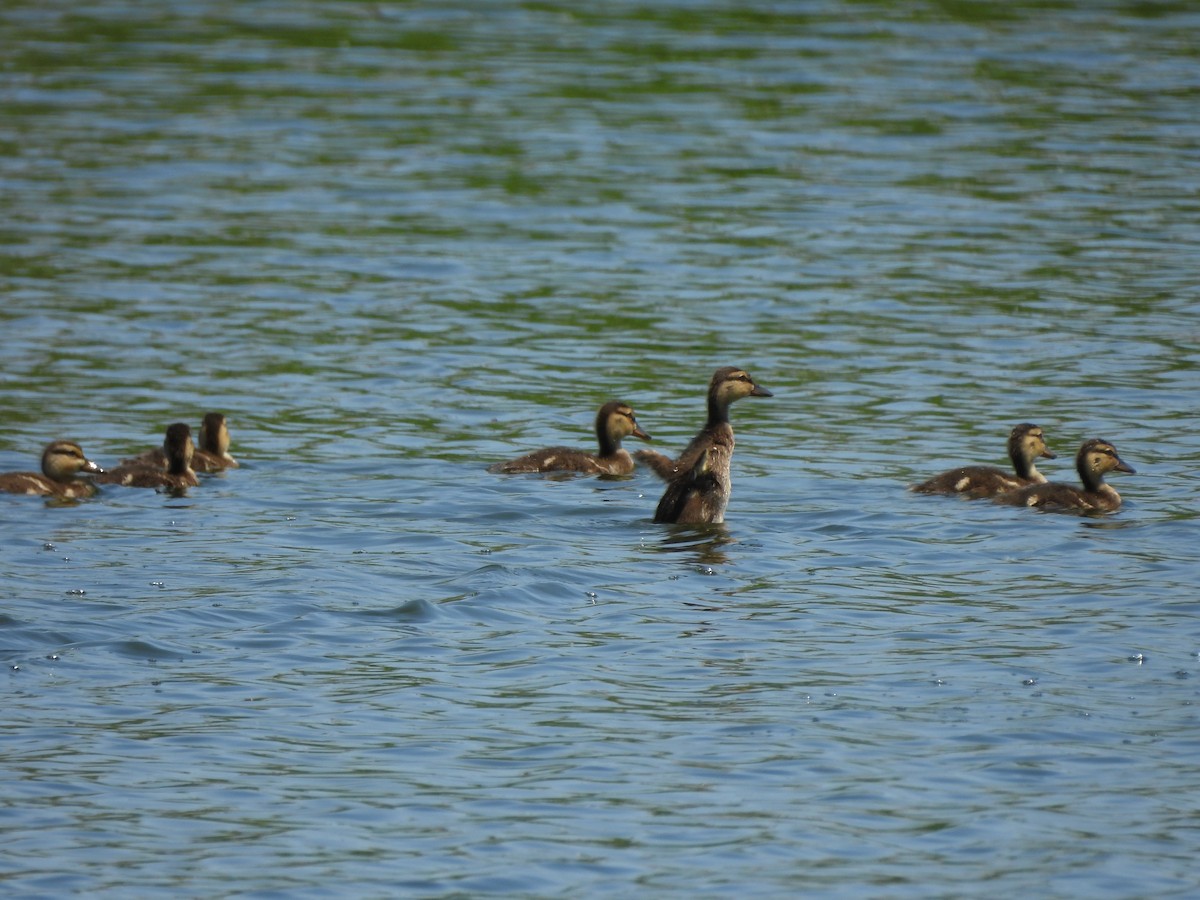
<point>62,461</point>
<point>1025,444</point>
<point>699,480</point>
<point>1094,460</point>
<point>614,421</point>
<point>177,448</point>
<point>211,456</point>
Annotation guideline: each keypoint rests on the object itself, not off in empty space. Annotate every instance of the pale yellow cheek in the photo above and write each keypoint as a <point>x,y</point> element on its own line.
<point>549,460</point>
<point>962,484</point>
<point>1031,501</point>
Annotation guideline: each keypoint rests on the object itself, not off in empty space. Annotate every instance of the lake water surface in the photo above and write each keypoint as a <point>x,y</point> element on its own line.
<point>396,242</point>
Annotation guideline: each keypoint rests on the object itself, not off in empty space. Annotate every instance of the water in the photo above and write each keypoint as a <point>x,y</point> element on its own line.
<point>397,242</point>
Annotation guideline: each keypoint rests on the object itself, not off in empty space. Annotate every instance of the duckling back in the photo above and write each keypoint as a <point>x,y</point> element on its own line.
<point>148,477</point>
<point>564,459</point>
<point>698,495</point>
<point>972,482</point>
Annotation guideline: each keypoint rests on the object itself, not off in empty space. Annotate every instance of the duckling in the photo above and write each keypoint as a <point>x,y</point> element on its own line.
<point>62,461</point>
<point>1094,460</point>
<point>699,480</point>
<point>177,448</point>
<point>211,456</point>
<point>1026,443</point>
<point>614,421</point>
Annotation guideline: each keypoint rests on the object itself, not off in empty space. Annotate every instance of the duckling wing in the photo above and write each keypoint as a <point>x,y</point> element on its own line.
<point>659,463</point>
<point>550,459</point>
<point>971,481</point>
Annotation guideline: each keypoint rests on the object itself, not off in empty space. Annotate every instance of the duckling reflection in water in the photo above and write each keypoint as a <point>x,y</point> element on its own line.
<point>699,482</point>
<point>177,448</point>
<point>211,456</point>
<point>1095,459</point>
<point>614,422</point>
<point>1026,443</point>
<point>62,463</point>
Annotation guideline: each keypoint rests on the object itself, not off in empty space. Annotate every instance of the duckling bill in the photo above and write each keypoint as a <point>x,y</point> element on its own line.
<point>614,422</point>
<point>1026,443</point>
<point>62,464</point>
<point>1095,459</point>
<point>699,482</point>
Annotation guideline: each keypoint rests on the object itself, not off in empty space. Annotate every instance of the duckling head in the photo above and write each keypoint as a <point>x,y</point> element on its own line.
<point>214,434</point>
<point>1098,457</point>
<point>1028,442</point>
<point>729,383</point>
<point>617,420</point>
<point>63,460</point>
<point>178,447</point>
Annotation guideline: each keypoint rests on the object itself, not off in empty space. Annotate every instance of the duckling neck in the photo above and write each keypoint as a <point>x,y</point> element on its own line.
<point>1026,468</point>
<point>609,444</point>
<point>718,411</point>
<point>1092,481</point>
<point>178,466</point>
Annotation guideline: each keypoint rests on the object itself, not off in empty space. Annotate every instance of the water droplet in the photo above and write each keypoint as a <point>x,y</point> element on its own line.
<point>47,546</point>
<point>1138,658</point>
<point>16,668</point>
<point>1029,682</point>
<point>77,592</point>
<point>157,583</point>
<point>1183,673</point>
<point>51,656</point>
<point>707,570</point>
